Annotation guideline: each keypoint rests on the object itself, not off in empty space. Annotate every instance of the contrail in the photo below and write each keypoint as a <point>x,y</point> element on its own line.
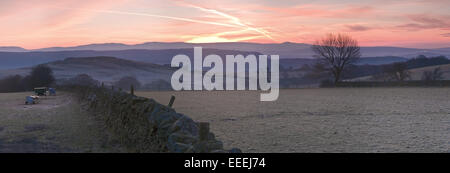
<point>235,20</point>
<point>155,15</point>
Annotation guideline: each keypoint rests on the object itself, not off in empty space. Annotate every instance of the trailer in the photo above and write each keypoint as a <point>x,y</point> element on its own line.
<point>31,100</point>
<point>41,91</point>
<point>52,91</point>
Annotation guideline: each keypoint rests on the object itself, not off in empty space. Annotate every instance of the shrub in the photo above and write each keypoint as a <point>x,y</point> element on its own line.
<point>41,76</point>
<point>12,84</point>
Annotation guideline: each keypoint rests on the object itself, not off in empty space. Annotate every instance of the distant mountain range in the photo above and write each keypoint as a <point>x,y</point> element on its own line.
<point>292,55</point>
<point>12,49</point>
<point>12,60</point>
<point>285,50</point>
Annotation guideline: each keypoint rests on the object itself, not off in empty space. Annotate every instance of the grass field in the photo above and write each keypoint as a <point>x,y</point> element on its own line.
<point>323,120</point>
<point>56,124</point>
<point>301,120</point>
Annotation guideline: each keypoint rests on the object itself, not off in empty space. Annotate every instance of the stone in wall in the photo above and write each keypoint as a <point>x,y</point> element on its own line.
<point>147,126</point>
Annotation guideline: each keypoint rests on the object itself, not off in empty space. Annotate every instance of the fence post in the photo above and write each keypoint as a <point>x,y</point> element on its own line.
<point>132,90</point>
<point>203,131</point>
<point>172,99</point>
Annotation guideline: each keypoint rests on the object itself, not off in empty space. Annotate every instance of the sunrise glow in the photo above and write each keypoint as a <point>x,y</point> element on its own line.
<point>45,23</point>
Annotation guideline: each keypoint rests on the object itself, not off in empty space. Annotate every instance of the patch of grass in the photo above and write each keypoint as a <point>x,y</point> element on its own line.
<point>323,119</point>
<point>56,124</point>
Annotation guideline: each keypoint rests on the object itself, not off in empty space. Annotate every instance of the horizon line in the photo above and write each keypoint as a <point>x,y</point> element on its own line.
<point>130,44</point>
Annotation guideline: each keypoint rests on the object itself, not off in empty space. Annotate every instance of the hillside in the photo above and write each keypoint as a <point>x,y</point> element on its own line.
<point>380,60</point>
<point>12,49</point>
<point>105,69</point>
<point>161,53</point>
<point>285,50</point>
<point>416,73</point>
<point>12,60</point>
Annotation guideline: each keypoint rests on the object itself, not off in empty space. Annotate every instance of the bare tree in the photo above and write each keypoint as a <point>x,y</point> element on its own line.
<point>336,52</point>
<point>397,71</point>
<point>436,74</point>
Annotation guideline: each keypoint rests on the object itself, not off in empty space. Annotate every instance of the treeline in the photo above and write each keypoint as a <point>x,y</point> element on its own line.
<point>40,76</point>
<point>420,83</point>
<point>368,70</point>
<point>127,81</point>
<point>123,83</point>
<point>423,61</point>
<point>317,73</point>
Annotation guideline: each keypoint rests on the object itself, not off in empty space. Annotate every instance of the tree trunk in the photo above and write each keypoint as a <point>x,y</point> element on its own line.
<point>337,77</point>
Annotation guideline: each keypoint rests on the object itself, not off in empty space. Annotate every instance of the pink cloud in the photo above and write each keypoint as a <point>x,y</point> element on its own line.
<point>357,27</point>
<point>322,11</point>
<point>425,21</point>
<point>41,23</point>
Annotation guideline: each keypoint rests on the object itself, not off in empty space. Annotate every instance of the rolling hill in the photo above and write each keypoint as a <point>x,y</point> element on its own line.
<point>285,50</point>
<point>148,50</point>
<point>12,49</point>
<point>105,69</point>
<point>416,73</point>
<point>12,60</point>
<point>380,60</point>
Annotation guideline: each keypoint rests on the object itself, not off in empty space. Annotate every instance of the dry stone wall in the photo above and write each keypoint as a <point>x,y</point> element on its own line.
<point>144,125</point>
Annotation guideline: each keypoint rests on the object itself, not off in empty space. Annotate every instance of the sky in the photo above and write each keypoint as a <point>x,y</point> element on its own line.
<point>36,24</point>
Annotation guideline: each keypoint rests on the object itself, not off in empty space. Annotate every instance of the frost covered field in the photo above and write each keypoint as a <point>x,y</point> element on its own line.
<point>56,124</point>
<point>323,120</point>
